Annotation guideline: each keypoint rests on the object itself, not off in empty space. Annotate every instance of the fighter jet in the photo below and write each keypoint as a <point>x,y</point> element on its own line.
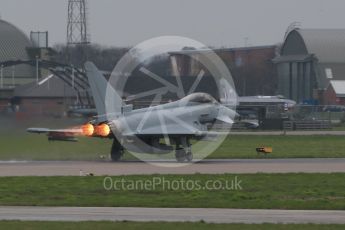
<point>141,130</point>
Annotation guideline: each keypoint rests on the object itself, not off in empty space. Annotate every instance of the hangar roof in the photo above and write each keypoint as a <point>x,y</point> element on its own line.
<point>208,50</point>
<point>50,87</point>
<point>328,45</point>
<point>13,46</point>
<point>13,42</point>
<point>339,88</point>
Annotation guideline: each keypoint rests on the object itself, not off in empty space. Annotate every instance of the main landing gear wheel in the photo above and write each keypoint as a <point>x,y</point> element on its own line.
<point>183,150</point>
<point>180,155</point>
<point>189,156</point>
<point>116,151</point>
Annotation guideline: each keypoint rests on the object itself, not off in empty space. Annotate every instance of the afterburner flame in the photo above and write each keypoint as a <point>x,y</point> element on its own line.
<point>88,130</point>
<point>102,130</point>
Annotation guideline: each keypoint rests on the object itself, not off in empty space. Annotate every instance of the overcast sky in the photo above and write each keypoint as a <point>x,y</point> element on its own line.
<point>212,22</point>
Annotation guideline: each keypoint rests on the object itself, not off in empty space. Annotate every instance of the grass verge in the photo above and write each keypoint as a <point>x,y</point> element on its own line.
<point>28,225</point>
<point>259,191</point>
<point>283,146</point>
<point>23,146</point>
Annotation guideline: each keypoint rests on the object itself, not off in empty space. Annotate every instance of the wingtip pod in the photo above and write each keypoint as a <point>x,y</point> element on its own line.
<point>37,130</point>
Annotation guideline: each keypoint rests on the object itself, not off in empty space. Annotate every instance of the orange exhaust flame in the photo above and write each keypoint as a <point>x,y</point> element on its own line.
<point>102,130</point>
<point>88,130</point>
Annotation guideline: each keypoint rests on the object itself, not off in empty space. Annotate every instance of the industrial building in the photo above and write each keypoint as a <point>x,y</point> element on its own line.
<point>14,45</point>
<point>49,97</point>
<point>309,59</point>
<point>307,68</point>
<point>252,68</point>
<point>335,93</point>
<point>27,85</point>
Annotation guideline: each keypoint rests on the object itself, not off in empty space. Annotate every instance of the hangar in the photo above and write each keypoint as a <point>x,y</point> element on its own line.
<point>309,59</point>
<point>252,68</point>
<point>14,45</point>
<point>23,63</point>
<point>49,97</point>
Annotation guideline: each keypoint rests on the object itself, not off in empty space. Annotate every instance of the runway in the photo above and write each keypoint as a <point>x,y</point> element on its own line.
<point>73,168</point>
<point>290,133</point>
<point>247,216</point>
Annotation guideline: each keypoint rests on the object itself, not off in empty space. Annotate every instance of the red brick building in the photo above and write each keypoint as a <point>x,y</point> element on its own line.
<point>50,97</point>
<point>335,93</point>
<point>252,68</point>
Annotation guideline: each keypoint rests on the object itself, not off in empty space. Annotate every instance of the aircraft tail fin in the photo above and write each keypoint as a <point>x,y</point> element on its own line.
<point>105,97</point>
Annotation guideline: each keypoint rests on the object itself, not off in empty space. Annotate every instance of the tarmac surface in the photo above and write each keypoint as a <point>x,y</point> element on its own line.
<point>77,168</point>
<point>291,133</point>
<point>210,215</point>
<point>252,216</point>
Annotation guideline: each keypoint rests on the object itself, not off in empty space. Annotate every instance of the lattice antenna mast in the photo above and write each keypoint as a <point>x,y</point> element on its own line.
<point>77,28</point>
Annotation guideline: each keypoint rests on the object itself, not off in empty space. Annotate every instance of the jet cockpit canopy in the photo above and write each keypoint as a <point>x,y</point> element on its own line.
<point>200,98</point>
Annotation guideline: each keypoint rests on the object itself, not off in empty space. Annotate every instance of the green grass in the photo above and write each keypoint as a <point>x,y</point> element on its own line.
<point>283,146</point>
<point>37,147</point>
<point>259,191</point>
<point>339,127</point>
<point>21,146</point>
<point>16,144</point>
<point>28,225</point>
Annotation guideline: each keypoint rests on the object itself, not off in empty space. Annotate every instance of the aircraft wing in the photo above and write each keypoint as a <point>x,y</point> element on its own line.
<point>204,135</point>
<point>170,129</point>
<point>58,134</point>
